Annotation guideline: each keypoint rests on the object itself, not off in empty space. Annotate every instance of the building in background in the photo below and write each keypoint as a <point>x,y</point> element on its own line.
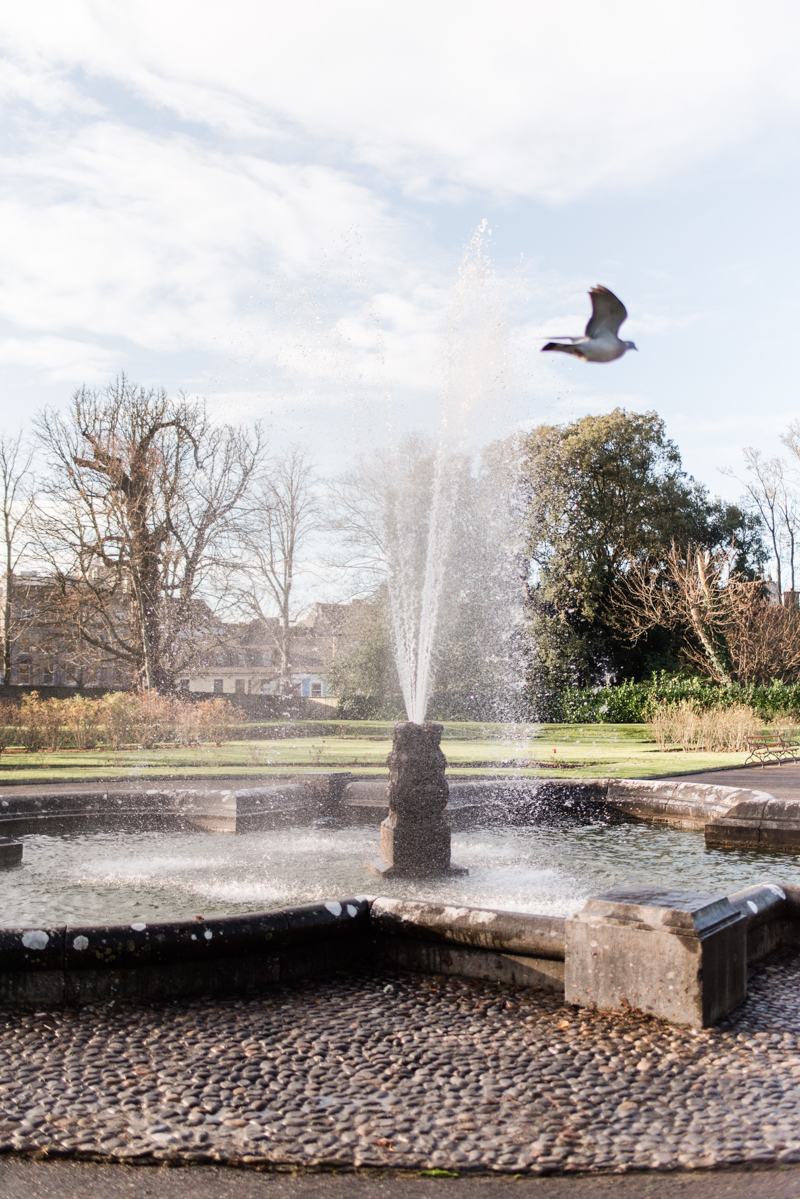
<point>48,650</point>
<point>48,647</point>
<point>248,661</point>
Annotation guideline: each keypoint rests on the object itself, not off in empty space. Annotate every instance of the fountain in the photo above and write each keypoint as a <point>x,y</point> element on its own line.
<point>416,518</point>
<point>415,836</point>
<point>194,917</point>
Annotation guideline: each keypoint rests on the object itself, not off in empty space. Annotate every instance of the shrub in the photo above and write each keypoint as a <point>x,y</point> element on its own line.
<point>714,730</point>
<point>216,720</point>
<point>9,724</point>
<point>41,725</point>
<point>80,719</point>
<point>154,719</point>
<point>118,717</point>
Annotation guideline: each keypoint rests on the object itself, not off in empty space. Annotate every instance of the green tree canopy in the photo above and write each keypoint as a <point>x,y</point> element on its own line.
<point>601,493</point>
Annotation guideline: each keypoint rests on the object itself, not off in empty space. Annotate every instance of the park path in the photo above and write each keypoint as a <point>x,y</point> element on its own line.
<point>781,781</point>
<point>20,1179</point>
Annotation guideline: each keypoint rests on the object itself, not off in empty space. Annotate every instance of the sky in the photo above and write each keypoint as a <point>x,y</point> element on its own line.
<point>307,212</point>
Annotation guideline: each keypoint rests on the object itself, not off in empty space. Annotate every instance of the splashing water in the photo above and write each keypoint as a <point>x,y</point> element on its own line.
<point>474,364</point>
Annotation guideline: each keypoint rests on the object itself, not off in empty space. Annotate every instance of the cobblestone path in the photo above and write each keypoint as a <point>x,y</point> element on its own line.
<point>408,1072</point>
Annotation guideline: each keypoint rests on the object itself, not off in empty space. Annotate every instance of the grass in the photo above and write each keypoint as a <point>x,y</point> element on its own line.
<point>547,751</point>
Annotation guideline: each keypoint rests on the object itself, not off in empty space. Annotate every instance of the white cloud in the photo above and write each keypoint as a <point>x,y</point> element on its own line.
<point>525,98</point>
<point>156,238</point>
<point>60,359</point>
<point>174,174</point>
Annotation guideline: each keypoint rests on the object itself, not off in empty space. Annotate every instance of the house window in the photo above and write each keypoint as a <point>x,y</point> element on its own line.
<point>316,690</point>
<point>240,686</point>
<point>240,659</point>
<point>305,688</point>
<point>266,688</point>
<point>218,685</point>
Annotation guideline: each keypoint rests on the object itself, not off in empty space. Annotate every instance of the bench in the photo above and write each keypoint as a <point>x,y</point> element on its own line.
<point>771,747</point>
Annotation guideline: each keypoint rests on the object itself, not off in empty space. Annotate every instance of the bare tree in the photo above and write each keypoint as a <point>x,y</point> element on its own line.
<point>730,630</point>
<point>791,439</point>
<point>145,497</point>
<point>284,513</point>
<point>17,496</point>
<point>774,498</point>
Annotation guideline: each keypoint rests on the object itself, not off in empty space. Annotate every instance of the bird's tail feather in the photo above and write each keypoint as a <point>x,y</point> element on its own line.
<point>554,345</point>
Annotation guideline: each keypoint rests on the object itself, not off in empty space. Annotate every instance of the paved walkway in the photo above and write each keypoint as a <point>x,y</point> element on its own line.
<point>78,1180</point>
<point>781,781</point>
<point>408,1073</point>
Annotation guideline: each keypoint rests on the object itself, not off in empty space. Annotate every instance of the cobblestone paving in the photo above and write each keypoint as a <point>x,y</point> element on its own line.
<point>408,1072</point>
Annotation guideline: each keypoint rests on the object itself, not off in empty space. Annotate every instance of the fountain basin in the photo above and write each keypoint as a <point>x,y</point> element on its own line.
<point>170,960</point>
<point>528,844</point>
<point>535,846</point>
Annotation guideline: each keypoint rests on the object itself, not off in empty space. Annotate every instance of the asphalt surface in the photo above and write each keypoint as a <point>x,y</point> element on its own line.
<point>781,781</point>
<point>82,1180</point>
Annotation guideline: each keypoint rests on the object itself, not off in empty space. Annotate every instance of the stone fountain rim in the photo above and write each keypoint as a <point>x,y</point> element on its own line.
<point>95,963</point>
<point>715,808</point>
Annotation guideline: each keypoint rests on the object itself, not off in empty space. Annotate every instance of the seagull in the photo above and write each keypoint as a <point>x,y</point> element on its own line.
<point>600,342</point>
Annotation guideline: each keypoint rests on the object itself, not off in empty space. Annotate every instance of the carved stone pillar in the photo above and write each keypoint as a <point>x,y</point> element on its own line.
<point>415,836</point>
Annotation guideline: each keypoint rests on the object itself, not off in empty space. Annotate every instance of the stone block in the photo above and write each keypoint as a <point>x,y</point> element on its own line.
<point>482,928</point>
<point>740,826</point>
<point>328,788</point>
<point>672,954</point>
<point>334,919</point>
<point>767,912</point>
<point>780,825</point>
<point>249,975</point>
<point>208,811</point>
<point>516,970</point>
<point>145,944</point>
<point>640,798</point>
<point>280,805</point>
<point>365,801</point>
<point>418,846</point>
<point>32,949</point>
<point>10,852</point>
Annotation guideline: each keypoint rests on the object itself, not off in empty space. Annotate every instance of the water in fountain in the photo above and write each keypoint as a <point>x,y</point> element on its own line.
<point>472,371</point>
<point>440,531</point>
<point>117,877</point>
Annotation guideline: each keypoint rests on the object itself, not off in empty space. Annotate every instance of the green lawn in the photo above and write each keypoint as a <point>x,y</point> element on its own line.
<point>548,751</point>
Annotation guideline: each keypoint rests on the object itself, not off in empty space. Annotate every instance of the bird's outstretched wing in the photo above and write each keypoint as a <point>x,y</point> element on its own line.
<point>608,312</point>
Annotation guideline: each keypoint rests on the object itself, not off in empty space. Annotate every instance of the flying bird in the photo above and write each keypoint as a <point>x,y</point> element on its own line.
<point>600,342</point>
